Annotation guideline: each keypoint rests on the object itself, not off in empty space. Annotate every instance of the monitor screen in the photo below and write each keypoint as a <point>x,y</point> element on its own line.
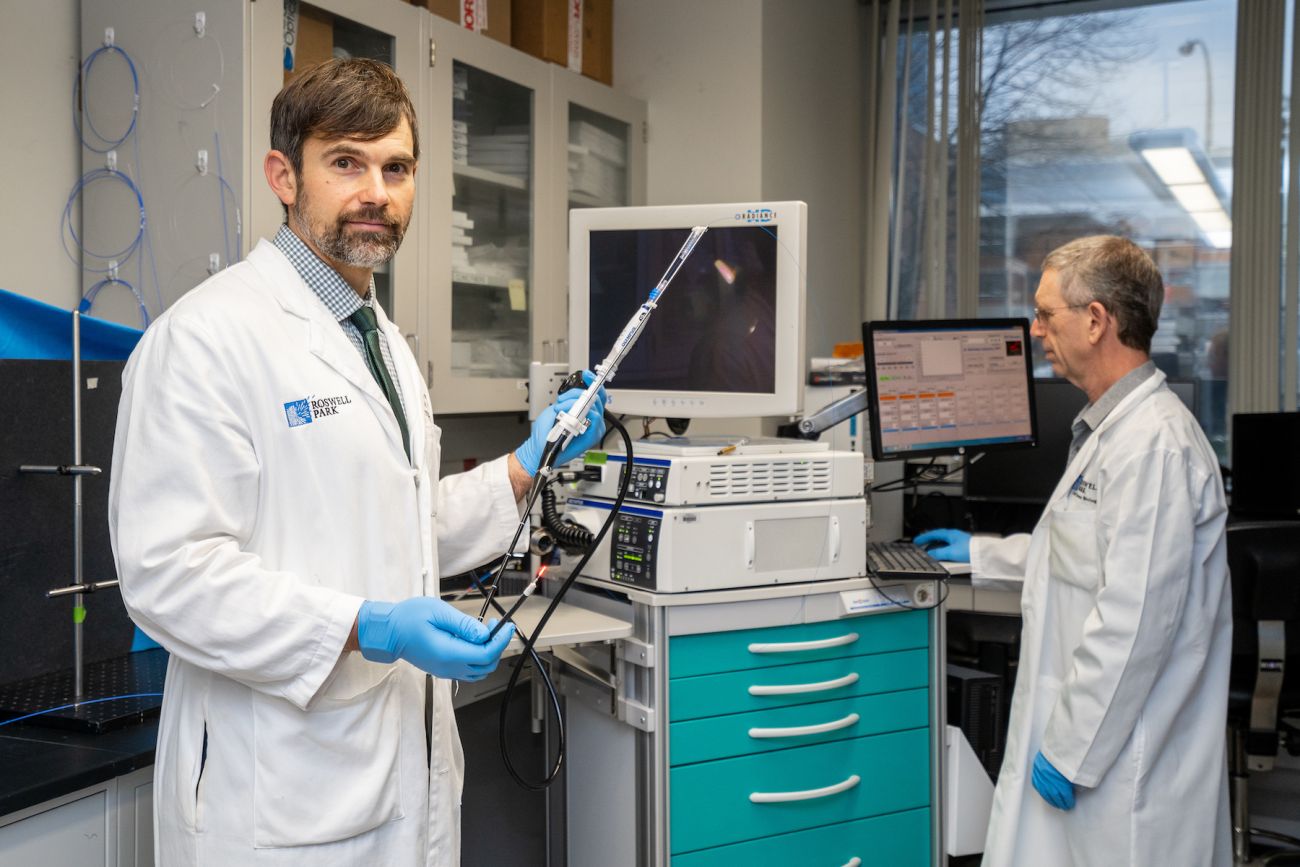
<point>1030,475</point>
<point>946,386</point>
<point>726,339</point>
<point>1265,471</point>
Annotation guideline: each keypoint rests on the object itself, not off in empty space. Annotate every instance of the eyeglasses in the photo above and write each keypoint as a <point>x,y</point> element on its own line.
<point>1045,314</point>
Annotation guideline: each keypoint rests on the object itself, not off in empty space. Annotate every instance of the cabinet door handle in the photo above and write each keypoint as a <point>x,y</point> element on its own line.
<point>796,646</point>
<point>796,688</point>
<point>805,731</point>
<point>413,339</point>
<point>807,795</point>
<point>835,539</point>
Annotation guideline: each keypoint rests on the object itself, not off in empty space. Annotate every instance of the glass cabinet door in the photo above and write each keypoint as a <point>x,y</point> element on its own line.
<point>299,35</point>
<point>598,155</point>
<point>602,138</point>
<point>491,242</point>
<point>488,116</point>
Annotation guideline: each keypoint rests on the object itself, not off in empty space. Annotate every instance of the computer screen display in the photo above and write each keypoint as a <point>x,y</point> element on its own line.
<point>726,339</point>
<point>1030,475</point>
<point>946,386</point>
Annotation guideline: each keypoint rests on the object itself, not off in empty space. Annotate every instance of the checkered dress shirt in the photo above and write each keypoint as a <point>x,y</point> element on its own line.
<point>335,293</point>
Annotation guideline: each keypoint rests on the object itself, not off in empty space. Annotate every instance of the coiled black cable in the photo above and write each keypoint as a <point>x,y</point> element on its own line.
<point>566,532</point>
<point>529,641</point>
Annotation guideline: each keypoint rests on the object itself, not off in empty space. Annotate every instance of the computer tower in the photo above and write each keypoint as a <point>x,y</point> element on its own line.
<point>975,706</point>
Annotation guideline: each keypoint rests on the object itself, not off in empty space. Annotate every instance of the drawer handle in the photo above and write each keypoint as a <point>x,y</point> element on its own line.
<point>854,862</point>
<point>805,731</point>
<point>808,795</point>
<point>796,646</point>
<point>796,688</point>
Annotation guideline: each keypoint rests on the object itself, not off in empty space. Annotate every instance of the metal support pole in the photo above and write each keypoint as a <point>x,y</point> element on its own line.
<point>78,600</point>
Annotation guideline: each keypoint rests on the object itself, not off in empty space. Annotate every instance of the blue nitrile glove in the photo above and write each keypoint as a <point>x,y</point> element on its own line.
<point>431,635</point>
<point>1055,789</point>
<point>530,453</point>
<point>955,547</point>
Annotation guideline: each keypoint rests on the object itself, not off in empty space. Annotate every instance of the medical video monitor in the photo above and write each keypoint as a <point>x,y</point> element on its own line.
<point>947,386</point>
<point>727,337</point>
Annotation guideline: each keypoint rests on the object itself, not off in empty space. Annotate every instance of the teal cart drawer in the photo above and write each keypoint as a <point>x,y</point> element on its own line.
<point>783,685</point>
<point>733,800</point>
<point>691,655</point>
<point>896,840</point>
<point>741,734</point>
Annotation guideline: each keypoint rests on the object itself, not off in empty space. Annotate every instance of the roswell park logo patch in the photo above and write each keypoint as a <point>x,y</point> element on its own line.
<point>307,410</point>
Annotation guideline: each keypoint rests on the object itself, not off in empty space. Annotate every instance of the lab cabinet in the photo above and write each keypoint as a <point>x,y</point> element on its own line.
<point>759,726</point>
<point>514,143</point>
<point>108,824</point>
<point>489,151</point>
<point>600,137</point>
<point>207,77</point>
<point>508,143</point>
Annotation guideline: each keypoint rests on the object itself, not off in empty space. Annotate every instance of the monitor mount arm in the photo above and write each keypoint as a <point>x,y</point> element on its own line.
<point>811,427</point>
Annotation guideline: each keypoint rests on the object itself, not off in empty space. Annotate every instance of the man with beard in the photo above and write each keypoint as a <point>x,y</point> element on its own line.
<point>279,524</point>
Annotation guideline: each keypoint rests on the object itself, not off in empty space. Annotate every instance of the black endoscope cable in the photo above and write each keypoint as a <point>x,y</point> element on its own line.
<point>530,641</point>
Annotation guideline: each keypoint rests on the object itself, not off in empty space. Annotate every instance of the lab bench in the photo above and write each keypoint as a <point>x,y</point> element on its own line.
<point>74,798</point>
<point>77,799</point>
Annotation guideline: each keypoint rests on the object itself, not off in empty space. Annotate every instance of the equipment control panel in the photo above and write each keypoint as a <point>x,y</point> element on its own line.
<point>649,483</point>
<point>632,556</point>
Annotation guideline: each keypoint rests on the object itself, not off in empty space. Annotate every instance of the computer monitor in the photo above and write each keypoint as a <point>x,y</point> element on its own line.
<point>945,386</point>
<point>1030,475</point>
<point>1265,470</point>
<point>727,339</point>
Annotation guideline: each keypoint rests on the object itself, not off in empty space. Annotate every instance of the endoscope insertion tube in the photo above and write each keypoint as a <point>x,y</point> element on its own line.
<point>573,421</point>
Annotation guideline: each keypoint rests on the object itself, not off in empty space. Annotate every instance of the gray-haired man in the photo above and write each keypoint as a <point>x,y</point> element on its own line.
<point>1121,695</point>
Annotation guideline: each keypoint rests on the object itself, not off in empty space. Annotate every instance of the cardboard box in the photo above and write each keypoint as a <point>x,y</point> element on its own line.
<point>489,17</point>
<point>578,34</point>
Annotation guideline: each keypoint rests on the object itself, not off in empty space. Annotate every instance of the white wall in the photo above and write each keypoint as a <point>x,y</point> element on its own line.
<point>753,101</point>
<point>697,65</point>
<point>39,55</point>
<point>812,150</point>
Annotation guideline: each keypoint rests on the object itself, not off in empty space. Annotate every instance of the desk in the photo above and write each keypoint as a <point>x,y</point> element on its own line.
<point>569,625</point>
<point>964,596</point>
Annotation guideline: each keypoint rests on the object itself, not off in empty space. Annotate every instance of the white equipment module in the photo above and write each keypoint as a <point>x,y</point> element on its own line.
<point>725,471</point>
<point>714,514</point>
<point>684,548</point>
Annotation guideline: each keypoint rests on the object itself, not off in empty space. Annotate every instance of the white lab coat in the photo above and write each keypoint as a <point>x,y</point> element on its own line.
<point>245,545</point>
<point>1126,643</point>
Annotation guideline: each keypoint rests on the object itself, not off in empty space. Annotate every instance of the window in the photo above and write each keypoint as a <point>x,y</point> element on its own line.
<point>1092,122</point>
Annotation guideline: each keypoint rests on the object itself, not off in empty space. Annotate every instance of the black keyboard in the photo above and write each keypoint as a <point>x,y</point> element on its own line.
<point>902,560</point>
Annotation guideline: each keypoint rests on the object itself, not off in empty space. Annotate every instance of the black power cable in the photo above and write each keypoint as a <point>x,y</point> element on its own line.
<point>530,640</point>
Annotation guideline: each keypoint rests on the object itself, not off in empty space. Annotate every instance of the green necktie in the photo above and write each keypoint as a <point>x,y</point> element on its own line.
<point>364,320</point>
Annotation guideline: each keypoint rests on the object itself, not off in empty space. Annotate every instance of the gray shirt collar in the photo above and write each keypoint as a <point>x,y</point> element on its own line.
<point>1092,415</point>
